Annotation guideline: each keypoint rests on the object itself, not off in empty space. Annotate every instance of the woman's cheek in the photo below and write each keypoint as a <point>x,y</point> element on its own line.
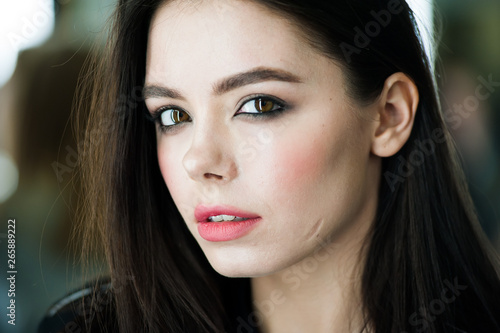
<point>300,162</point>
<point>171,169</point>
<point>162,162</point>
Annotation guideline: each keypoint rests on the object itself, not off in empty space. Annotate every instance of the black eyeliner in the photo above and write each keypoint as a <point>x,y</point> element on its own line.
<point>156,114</point>
<point>283,106</point>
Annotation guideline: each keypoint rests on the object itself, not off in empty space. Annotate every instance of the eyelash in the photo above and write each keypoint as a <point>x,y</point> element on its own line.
<point>282,106</point>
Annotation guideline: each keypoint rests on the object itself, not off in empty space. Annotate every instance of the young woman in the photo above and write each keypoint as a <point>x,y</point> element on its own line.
<point>278,166</point>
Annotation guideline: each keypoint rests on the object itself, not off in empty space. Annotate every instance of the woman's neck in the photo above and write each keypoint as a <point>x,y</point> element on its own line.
<point>321,293</point>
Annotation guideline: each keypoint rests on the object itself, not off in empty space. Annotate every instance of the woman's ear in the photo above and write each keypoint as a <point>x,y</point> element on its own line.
<point>396,108</point>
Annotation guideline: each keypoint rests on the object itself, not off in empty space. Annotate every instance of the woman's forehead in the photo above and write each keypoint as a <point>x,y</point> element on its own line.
<point>227,36</point>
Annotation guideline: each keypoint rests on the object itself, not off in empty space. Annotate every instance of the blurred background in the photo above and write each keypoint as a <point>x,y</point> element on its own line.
<point>43,45</point>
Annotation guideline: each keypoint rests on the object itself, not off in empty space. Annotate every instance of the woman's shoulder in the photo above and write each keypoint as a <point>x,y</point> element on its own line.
<point>90,309</point>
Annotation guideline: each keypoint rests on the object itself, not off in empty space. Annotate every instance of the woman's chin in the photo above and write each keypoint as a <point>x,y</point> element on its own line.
<point>238,265</point>
<point>239,268</point>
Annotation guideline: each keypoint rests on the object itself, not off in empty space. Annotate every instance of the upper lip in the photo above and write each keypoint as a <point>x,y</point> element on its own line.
<point>203,212</point>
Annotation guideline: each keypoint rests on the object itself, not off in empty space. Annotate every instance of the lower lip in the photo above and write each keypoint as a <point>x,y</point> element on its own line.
<point>225,231</point>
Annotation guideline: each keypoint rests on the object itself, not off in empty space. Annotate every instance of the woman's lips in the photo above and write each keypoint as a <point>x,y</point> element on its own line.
<point>224,230</point>
<point>203,212</point>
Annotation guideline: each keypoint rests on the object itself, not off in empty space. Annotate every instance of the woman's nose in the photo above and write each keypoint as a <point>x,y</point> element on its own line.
<point>210,156</point>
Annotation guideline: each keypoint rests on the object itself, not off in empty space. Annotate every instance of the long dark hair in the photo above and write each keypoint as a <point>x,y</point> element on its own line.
<point>428,268</point>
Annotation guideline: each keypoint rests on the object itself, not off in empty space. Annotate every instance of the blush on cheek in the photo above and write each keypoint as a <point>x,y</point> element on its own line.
<point>299,163</point>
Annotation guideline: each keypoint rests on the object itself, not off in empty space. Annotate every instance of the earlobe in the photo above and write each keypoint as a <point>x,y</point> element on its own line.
<point>396,108</point>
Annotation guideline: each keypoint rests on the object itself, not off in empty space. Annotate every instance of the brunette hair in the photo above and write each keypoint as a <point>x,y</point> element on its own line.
<point>428,267</point>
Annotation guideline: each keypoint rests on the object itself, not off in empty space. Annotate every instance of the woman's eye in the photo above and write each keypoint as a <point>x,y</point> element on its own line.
<point>260,105</point>
<point>171,117</point>
<point>168,117</point>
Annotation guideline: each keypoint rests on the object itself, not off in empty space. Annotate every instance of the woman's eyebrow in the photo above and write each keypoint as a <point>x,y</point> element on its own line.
<point>256,75</point>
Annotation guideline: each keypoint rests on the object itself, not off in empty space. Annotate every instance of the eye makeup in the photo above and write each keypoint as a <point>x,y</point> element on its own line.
<point>256,106</point>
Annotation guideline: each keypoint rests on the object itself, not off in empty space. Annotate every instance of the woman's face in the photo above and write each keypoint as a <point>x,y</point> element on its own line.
<point>259,126</point>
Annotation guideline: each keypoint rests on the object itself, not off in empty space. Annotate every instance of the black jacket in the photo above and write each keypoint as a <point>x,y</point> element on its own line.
<point>92,309</point>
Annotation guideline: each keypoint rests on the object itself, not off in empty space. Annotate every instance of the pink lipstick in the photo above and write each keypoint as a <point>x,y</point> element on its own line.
<point>220,223</point>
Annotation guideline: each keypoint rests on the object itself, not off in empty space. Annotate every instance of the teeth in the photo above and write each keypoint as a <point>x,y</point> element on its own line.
<point>217,218</point>
<point>220,218</point>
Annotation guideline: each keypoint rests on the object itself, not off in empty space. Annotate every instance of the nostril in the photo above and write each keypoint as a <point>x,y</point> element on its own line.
<point>213,176</point>
<point>211,162</point>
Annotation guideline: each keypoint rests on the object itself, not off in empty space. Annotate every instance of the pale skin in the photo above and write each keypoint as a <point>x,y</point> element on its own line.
<point>312,172</point>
